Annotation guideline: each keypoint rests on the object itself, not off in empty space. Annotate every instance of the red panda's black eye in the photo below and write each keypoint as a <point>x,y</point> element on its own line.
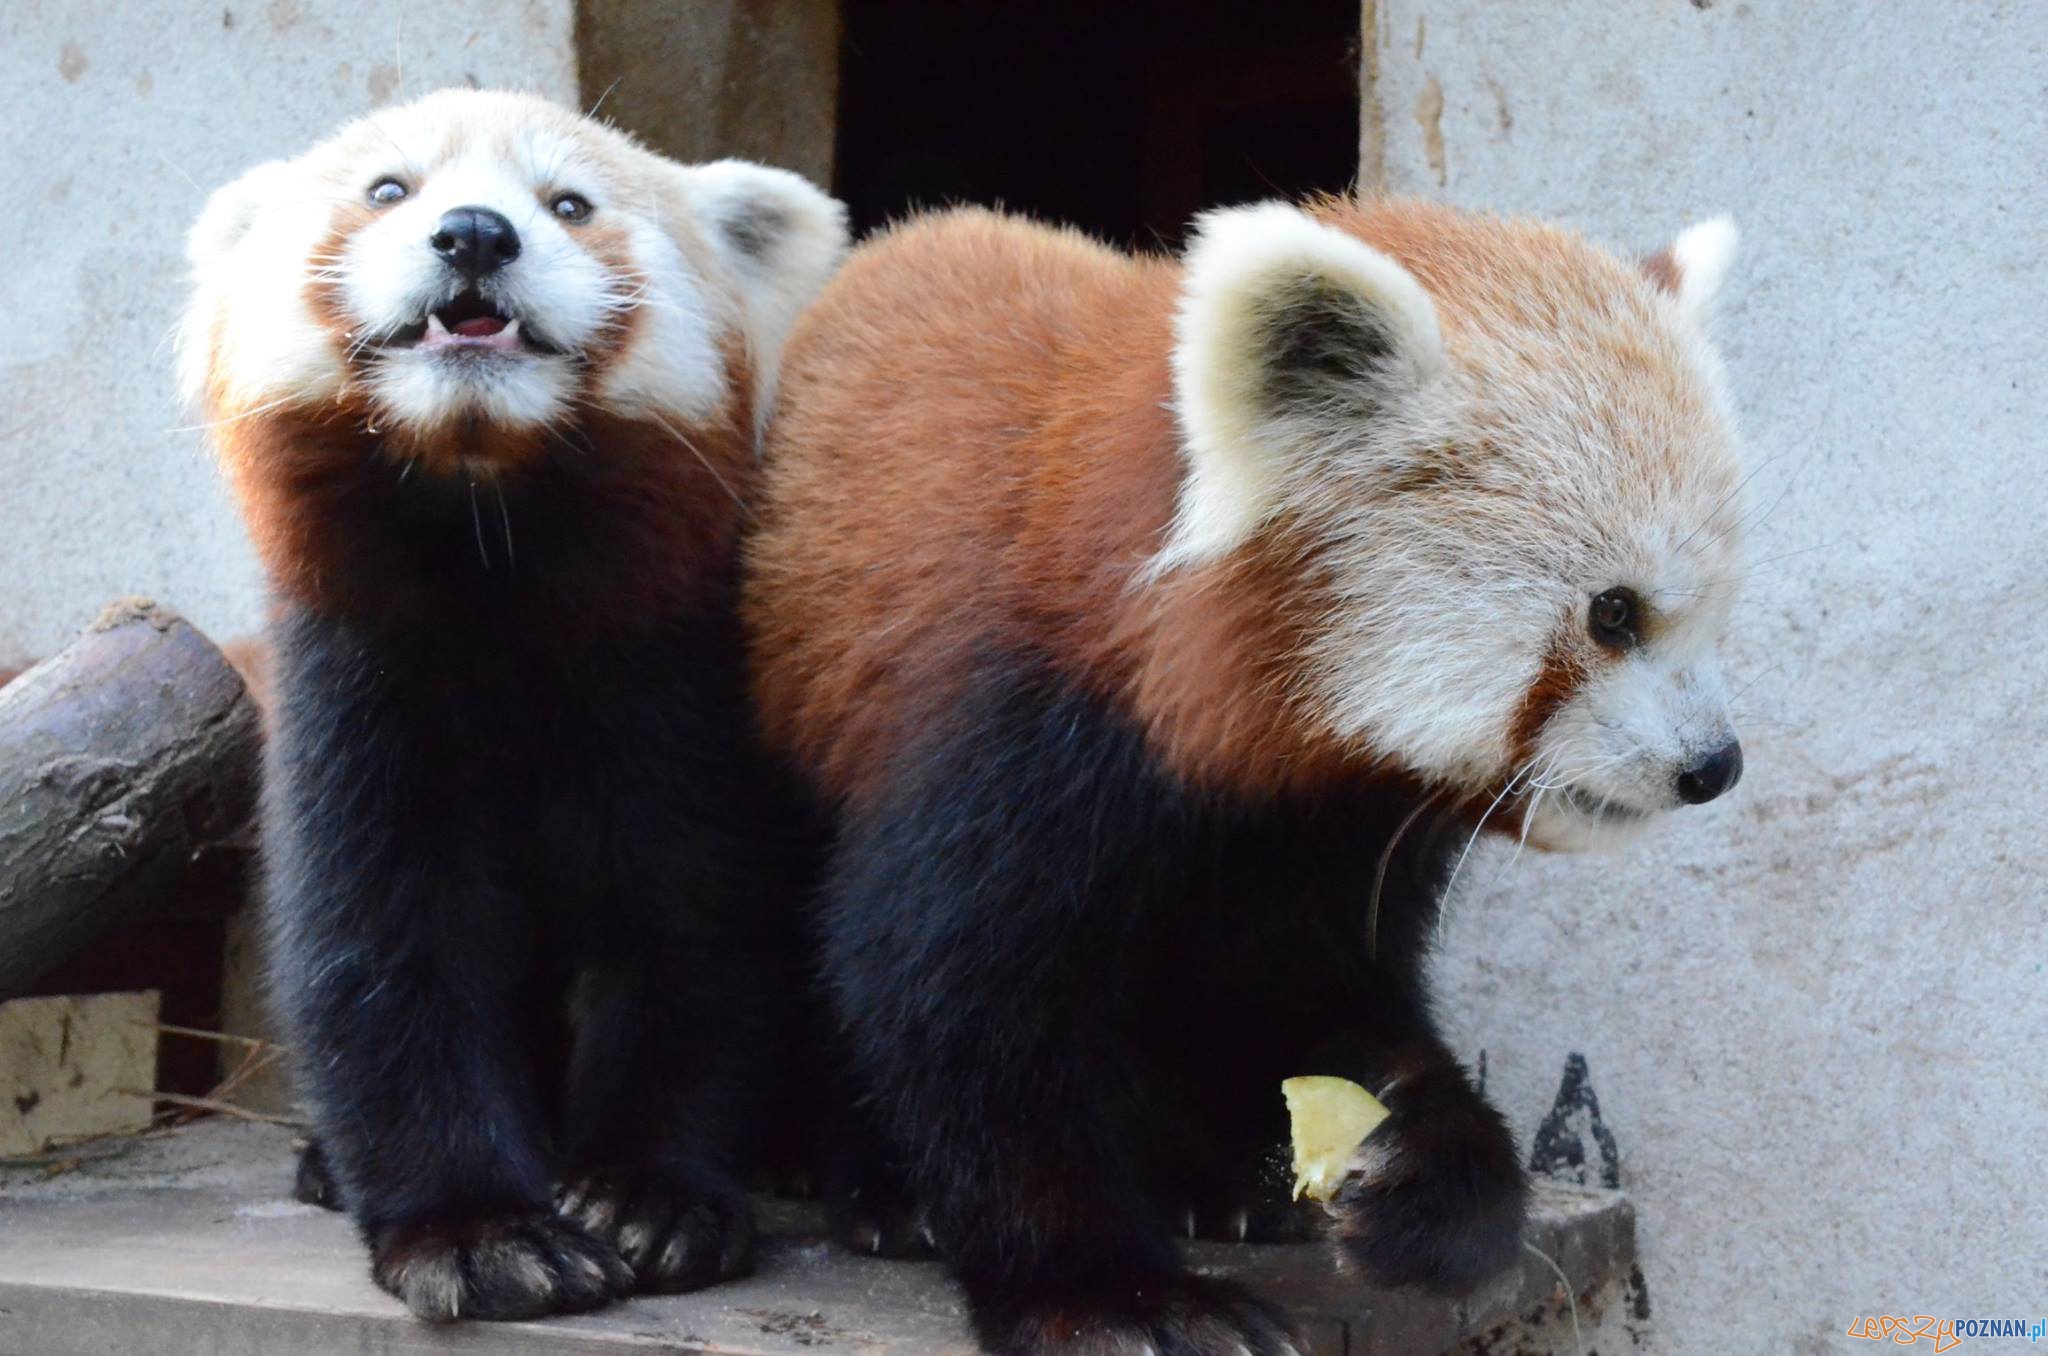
<point>1614,619</point>
<point>571,206</point>
<point>387,191</point>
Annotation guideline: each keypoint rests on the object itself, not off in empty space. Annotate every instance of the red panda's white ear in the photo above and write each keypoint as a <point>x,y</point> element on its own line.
<point>1290,331</point>
<point>230,211</point>
<point>1691,267</point>
<point>222,226</point>
<point>784,238</point>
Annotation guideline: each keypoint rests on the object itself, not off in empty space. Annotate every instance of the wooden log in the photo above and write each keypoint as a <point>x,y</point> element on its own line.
<point>120,757</point>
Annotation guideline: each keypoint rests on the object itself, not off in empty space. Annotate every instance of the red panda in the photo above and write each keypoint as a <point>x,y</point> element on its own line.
<point>486,379</point>
<point>1158,633</point>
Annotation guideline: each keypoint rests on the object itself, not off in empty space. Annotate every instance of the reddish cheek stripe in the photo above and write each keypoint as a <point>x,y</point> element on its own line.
<point>323,293</point>
<point>1556,681</point>
<point>615,334</point>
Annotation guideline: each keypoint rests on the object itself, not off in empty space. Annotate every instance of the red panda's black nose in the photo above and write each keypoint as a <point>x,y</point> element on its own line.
<point>1711,775</point>
<point>476,241</point>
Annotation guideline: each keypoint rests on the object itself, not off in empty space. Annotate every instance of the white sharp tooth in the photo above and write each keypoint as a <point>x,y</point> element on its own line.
<point>511,331</point>
<point>434,325</point>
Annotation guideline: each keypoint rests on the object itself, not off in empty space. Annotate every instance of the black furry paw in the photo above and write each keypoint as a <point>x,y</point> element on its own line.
<point>1233,1219</point>
<point>793,1180</point>
<point>1436,1196</point>
<point>1181,1316</point>
<point>1252,1205</point>
<point>314,1183</point>
<point>874,1212</point>
<point>674,1233</point>
<point>497,1267</point>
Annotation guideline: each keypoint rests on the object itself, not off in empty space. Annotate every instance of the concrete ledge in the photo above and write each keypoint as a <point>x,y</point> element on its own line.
<point>189,1243</point>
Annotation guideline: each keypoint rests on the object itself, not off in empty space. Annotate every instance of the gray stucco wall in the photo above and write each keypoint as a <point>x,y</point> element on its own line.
<point>119,118</point>
<point>1815,1012</point>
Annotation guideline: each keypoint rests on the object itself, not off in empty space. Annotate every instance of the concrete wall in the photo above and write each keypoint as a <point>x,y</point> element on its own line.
<point>757,79</point>
<point>1814,1012</point>
<point>119,118</point>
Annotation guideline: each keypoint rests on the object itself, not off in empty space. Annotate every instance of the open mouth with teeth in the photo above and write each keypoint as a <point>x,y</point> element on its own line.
<point>470,324</point>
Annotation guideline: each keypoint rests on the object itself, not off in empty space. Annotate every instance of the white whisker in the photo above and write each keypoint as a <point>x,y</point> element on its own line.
<point>1379,877</point>
<point>677,434</point>
<point>236,418</point>
<point>477,518</point>
<point>1444,896</point>
<point>505,519</point>
<point>602,97</point>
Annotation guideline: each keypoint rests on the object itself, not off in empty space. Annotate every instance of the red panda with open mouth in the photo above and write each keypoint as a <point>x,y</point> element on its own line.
<point>1159,633</point>
<point>486,378</point>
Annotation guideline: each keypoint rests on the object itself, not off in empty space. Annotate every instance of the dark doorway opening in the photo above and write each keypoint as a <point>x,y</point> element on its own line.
<point>1123,117</point>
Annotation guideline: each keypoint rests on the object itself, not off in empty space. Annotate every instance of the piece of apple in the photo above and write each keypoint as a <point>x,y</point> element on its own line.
<point>1331,1117</point>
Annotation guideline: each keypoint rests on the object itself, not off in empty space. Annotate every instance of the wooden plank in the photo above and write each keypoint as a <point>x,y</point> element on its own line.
<point>70,1068</point>
<point>189,1244</point>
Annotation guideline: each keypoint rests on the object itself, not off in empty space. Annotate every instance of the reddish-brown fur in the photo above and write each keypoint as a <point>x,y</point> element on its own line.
<point>1562,672</point>
<point>672,515</point>
<point>976,450</point>
<point>879,569</point>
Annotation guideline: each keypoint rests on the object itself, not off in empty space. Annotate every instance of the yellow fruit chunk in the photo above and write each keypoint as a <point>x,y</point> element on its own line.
<point>1332,1116</point>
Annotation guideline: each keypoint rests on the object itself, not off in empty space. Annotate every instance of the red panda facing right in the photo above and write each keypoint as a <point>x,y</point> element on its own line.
<point>1159,633</point>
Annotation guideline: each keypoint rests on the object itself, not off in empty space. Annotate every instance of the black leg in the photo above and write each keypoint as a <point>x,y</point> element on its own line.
<point>313,1183</point>
<point>426,1108</point>
<point>977,941</point>
<point>1248,1200</point>
<point>872,1207</point>
<point>826,1143</point>
<point>660,1099</point>
<point>1436,1195</point>
<point>687,1005</point>
<point>406,971</point>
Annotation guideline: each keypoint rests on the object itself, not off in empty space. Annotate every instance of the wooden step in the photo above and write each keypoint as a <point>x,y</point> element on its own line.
<point>188,1243</point>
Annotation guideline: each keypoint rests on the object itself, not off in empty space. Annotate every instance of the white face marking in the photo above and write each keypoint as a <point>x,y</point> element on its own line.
<point>562,294</point>
<point>636,308</point>
<point>1609,758</point>
<point>1449,599</point>
<point>1457,510</point>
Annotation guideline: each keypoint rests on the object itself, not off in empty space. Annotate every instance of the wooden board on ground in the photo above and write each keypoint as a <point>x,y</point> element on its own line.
<point>188,1243</point>
<point>71,1068</point>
